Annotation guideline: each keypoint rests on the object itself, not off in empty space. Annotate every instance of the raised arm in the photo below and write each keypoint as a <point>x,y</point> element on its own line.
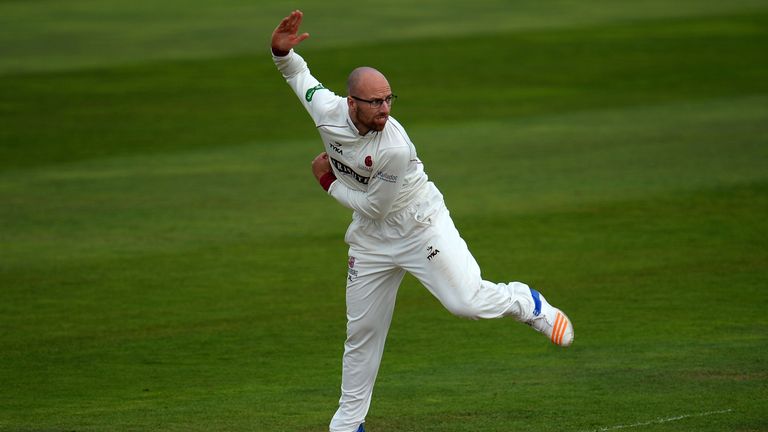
<point>286,34</point>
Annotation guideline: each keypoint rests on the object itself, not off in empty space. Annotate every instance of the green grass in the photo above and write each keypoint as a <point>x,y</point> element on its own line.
<point>53,35</point>
<point>167,261</point>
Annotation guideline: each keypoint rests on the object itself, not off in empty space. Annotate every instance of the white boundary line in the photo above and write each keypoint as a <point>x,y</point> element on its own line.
<point>660,420</point>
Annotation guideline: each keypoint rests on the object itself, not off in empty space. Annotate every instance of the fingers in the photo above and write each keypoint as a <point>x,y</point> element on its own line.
<point>294,21</point>
<point>289,27</point>
<point>286,37</point>
<point>290,24</point>
<point>297,17</point>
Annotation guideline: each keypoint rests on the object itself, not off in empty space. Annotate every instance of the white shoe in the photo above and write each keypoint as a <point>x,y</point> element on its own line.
<point>551,321</point>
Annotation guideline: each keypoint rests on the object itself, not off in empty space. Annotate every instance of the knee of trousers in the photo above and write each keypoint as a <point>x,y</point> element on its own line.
<point>478,300</point>
<point>465,302</point>
<point>463,311</point>
<point>466,310</point>
<point>363,330</point>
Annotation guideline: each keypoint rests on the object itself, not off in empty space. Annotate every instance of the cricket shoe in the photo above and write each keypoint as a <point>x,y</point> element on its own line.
<point>551,321</point>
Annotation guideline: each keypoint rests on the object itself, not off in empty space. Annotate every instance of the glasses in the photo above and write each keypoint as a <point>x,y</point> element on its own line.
<point>376,103</point>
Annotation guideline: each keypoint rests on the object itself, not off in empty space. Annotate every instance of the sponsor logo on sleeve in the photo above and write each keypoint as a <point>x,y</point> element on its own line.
<point>311,92</point>
<point>389,178</point>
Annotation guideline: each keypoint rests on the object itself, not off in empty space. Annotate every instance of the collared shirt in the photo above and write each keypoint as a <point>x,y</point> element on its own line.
<point>377,173</point>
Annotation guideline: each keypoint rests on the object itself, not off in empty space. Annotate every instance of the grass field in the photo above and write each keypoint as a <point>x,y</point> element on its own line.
<point>167,262</point>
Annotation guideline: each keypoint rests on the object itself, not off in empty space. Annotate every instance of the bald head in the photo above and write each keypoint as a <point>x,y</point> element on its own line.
<point>363,78</point>
<point>368,89</point>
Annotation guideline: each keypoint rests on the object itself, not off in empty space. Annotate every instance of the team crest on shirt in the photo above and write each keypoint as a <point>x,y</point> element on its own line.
<point>366,165</point>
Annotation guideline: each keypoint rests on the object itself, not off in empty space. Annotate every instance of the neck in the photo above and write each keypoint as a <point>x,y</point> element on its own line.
<point>362,130</point>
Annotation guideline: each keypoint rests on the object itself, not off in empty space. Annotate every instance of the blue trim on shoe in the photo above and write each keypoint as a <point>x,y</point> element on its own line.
<point>536,302</point>
<point>361,428</point>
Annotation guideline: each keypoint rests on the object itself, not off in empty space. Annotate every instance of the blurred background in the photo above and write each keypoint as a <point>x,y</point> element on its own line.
<point>167,261</point>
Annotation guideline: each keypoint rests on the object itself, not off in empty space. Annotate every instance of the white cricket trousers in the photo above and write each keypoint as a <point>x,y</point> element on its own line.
<point>422,240</point>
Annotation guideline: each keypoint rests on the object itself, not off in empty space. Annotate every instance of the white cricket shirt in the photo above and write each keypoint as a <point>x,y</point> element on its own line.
<point>378,173</point>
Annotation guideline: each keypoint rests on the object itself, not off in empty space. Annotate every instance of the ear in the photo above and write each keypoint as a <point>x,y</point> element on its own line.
<point>352,107</point>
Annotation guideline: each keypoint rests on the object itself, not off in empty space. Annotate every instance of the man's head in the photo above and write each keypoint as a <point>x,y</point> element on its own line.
<point>369,99</point>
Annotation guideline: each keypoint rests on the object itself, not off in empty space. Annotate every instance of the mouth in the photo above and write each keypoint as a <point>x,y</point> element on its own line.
<point>380,121</point>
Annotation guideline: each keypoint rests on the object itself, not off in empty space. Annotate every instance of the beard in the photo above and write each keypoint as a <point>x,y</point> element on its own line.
<point>379,122</point>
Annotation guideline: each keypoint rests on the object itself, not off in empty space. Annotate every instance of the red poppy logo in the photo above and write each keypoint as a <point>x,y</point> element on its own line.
<point>368,161</point>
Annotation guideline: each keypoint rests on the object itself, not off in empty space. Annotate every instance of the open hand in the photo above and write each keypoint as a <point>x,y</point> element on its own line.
<point>286,36</point>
